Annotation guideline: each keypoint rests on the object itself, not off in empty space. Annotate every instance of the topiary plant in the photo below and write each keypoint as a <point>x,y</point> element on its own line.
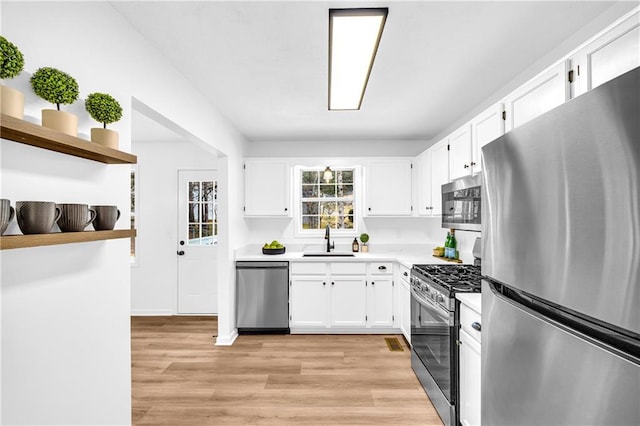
<point>103,108</point>
<point>11,59</point>
<point>364,238</point>
<point>54,86</point>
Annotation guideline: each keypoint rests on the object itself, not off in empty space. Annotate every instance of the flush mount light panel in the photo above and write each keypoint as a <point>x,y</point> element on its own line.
<point>354,35</point>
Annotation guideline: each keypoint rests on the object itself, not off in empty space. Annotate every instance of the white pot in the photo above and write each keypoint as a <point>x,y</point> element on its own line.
<point>104,137</point>
<point>61,121</point>
<point>11,102</point>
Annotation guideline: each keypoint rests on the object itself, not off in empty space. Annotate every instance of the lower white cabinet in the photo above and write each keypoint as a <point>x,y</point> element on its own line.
<point>341,297</point>
<point>308,307</point>
<point>403,290</point>
<point>348,304</point>
<point>470,366</point>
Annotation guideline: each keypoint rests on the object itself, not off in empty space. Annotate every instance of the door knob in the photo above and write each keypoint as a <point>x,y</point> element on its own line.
<point>180,252</point>
<point>181,243</point>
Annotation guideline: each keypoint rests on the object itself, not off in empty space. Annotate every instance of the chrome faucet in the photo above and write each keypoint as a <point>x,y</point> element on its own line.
<point>327,236</point>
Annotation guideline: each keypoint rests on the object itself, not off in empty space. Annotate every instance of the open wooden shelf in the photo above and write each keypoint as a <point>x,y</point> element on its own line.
<point>21,131</point>
<point>8,242</point>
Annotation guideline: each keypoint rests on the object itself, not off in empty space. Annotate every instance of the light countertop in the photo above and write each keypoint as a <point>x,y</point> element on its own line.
<point>472,300</point>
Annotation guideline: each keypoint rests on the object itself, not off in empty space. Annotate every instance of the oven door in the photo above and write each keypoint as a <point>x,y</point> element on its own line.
<point>433,335</point>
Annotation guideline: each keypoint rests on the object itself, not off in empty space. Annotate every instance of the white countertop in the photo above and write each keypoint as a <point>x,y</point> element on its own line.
<point>406,255</point>
<point>472,300</point>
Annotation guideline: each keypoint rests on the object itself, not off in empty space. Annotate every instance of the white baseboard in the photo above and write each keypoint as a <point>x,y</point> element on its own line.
<point>346,330</point>
<point>152,312</point>
<point>227,340</point>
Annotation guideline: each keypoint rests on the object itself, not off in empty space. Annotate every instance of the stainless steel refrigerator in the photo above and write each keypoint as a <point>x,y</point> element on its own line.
<point>561,260</point>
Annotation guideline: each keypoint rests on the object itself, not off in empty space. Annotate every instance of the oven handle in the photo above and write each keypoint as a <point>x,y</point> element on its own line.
<point>441,313</point>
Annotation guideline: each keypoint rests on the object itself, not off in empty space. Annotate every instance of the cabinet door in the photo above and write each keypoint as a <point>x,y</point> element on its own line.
<point>545,92</point>
<point>266,190</point>
<point>423,163</point>
<point>439,174</point>
<point>381,302</point>
<point>308,302</point>
<point>460,152</point>
<point>615,52</point>
<point>388,188</point>
<point>486,127</point>
<point>405,303</point>
<point>348,302</point>
<point>470,385</point>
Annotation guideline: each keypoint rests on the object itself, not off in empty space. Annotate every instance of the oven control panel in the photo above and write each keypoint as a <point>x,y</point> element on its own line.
<point>428,290</point>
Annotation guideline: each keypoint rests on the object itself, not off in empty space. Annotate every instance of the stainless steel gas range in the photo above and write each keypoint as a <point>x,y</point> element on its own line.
<point>435,321</point>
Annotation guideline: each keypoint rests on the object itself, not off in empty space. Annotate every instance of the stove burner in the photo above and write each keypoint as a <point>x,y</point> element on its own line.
<point>455,278</point>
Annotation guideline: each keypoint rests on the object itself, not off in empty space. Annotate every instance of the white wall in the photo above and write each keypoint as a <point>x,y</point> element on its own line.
<point>65,309</point>
<point>336,148</point>
<point>154,277</point>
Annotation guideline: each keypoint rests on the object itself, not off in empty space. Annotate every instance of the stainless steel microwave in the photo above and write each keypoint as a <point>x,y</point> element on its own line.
<point>462,203</point>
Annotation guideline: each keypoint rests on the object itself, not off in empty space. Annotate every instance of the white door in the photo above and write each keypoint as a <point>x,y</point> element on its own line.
<point>266,188</point>
<point>460,152</point>
<point>388,188</point>
<point>486,127</point>
<point>197,242</point>
<point>308,302</point>
<point>381,297</point>
<point>348,302</point>
<point>439,174</point>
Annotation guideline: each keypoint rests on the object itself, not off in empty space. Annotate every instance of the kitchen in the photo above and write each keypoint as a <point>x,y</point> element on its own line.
<point>204,123</point>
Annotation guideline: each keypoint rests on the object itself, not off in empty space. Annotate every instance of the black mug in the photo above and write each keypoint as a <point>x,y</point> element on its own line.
<point>106,217</point>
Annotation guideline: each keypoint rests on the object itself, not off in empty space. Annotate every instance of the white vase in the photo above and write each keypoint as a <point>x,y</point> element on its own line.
<point>61,121</point>
<point>104,137</point>
<point>11,102</point>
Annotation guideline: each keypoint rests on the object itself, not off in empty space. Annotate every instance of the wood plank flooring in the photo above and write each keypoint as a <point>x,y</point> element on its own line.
<point>180,377</point>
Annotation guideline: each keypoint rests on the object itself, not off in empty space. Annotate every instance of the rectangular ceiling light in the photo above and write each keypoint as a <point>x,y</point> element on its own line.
<point>354,35</point>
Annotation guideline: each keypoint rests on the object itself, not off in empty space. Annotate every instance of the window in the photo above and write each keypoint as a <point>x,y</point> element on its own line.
<point>327,200</point>
<point>134,189</point>
<point>203,212</point>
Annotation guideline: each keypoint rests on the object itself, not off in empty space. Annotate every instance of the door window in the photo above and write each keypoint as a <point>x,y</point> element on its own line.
<point>203,213</point>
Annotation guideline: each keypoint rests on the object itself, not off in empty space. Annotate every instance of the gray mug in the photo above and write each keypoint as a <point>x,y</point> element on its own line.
<point>106,217</point>
<point>6,214</point>
<point>73,217</point>
<point>36,217</point>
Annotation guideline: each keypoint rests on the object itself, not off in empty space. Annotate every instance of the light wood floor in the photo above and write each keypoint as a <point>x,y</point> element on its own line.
<point>180,377</point>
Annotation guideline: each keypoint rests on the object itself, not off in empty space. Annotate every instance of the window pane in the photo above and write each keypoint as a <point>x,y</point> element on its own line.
<point>194,232</point>
<point>309,177</point>
<point>194,191</point>
<point>328,220</point>
<point>345,191</point>
<point>309,191</point>
<point>309,207</point>
<point>327,208</point>
<point>207,212</point>
<point>310,222</point>
<point>194,212</point>
<point>345,176</point>
<point>345,222</point>
<point>207,191</point>
<point>328,190</point>
<point>332,177</point>
<point>207,230</point>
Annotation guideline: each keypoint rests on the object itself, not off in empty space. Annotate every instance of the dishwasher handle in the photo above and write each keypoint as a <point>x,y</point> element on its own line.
<point>262,265</point>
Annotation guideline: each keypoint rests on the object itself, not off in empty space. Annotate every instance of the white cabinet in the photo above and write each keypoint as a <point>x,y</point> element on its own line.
<point>610,55</point>
<point>460,152</point>
<point>539,95</point>
<point>470,374</point>
<point>388,188</point>
<point>404,301</point>
<point>341,297</point>
<point>485,127</point>
<point>267,188</point>
<point>433,172</point>
<point>348,304</point>
<point>308,307</point>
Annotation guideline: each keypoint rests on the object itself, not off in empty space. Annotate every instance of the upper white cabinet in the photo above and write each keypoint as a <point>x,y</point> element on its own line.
<point>433,172</point>
<point>537,96</point>
<point>267,186</point>
<point>388,188</point>
<point>613,53</point>
<point>485,127</point>
<point>460,152</point>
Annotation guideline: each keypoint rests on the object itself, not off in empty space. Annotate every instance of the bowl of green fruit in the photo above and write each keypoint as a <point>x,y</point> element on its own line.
<point>273,248</point>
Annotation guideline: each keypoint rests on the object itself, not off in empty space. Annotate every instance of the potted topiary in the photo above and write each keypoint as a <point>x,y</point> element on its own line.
<point>11,64</point>
<point>104,109</point>
<point>364,239</point>
<point>56,87</point>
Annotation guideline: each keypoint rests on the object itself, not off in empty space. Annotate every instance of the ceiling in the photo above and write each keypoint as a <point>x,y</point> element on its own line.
<point>264,64</point>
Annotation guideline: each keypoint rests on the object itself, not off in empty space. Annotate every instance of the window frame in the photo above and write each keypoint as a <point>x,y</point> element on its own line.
<point>299,232</point>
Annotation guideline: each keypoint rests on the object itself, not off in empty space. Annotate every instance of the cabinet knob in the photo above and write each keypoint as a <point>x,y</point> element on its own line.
<point>405,274</point>
<point>373,283</point>
<point>286,209</point>
<point>369,208</point>
<point>382,268</point>
<point>476,326</point>
<point>324,283</point>
<point>473,163</point>
<point>466,166</point>
<point>332,283</point>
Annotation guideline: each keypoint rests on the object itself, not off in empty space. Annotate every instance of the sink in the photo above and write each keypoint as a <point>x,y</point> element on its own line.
<point>325,254</point>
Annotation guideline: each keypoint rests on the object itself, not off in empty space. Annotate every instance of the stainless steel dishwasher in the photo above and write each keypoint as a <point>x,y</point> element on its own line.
<point>262,297</point>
